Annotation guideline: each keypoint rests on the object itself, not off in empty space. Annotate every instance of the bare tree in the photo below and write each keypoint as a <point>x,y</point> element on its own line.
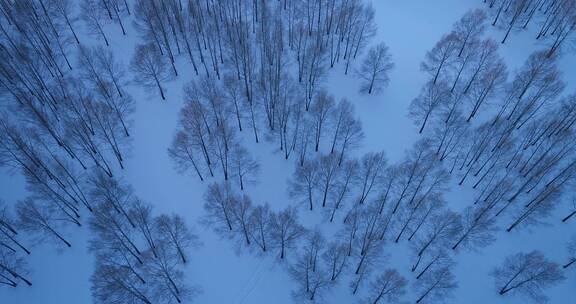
<point>173,232</point>
<point>347,130</point>
<point>517,15</point>
<point>62,11</point>
<point>166,277</point>
<point>477,230</point>
<point>219,200</point>
<point>327,176</point>
<point>441,57</point>
<point>304,182</point>
<point>313,279</point>
<point>112,232</point>
<point>241,210</point>
<point>114,194</point>
<point>536,84</point>
<point>527,274</point>
<point>469,29</point>
<point>260,221</point>
<point>244,166</point>
<point>343,186</point>
<point>13,268</point>
<point>336,258</point>
<point>112,70</point>
<point>370,173</point>
<point>285,230</point>
<point>118,285</point>
<point>375,69</point>
<point>321,108</point>
<point>387,287</point>
<point>95,18</point>
<point>41,220</point>
<point>443,228</point>
<point>436,285</point>
<point>183,153</point>
<point>142,215</point>
<point>8,231</point>
<point>430,100</point>
<point>149,67</point>
<point>572,211</point>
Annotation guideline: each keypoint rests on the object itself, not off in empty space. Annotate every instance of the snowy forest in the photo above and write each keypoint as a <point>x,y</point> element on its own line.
<point>287,151</point>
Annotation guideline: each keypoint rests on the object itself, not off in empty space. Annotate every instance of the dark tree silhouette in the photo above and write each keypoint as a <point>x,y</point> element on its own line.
<point>527,274</point>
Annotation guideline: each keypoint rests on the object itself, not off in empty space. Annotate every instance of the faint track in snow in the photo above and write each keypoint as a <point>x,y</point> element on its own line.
<point>261,271</point>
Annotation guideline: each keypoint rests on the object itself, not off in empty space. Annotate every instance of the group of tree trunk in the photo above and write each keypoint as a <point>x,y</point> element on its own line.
<point>250,43</point>
<point>140,257</point>
<point>518,152</point>
<point>207,140</point>
<point>555,20</point>
<point>64,118</point>
<point>66,128</point>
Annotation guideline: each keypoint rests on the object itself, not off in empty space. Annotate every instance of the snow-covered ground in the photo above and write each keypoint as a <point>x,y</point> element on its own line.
<point>409,28</point>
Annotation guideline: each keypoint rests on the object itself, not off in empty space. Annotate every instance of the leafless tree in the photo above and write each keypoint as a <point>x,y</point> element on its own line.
<point>13,268</point>
<point>112,232</point>
<point>477,230</point>
<point>313,280</point>
<point>387,287</point>
<point>441,57</point>
<point>343,187</point>
<point>304,182</point>
<point>336,258</point>
<point>527,274</point>
<point>192,146</point>
<point>469,29</point>
<point>572,211</point>
<point>436,285</point>
<point>9,239</point>
<point>174,234</point>
<point>443,228</point>
<point>486,85</point>
<point>166,277</point>
<point>516,15</point>
<point>537,83</point>
<point>347,130</point>
<point>244,166</point>
<point>260,225</point>
<point>222,141</point>
<point>320,109</point>
<point>114,194</point>
<point>149,67</point>
<point>95,18</point>
<point>327,176</point>
<point>363,272</point>
<point>375,69</point>
<point>285,230</point>
<point>118,285</point>
<point>41,220</point>
<point>370,173</point>
<point>241,211</point>
<point>142,215</point>
<point>430,100</point>
<point>112,70</point>
<point>183,153</point>
<point>62,11</point>
<point>219,199</point>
